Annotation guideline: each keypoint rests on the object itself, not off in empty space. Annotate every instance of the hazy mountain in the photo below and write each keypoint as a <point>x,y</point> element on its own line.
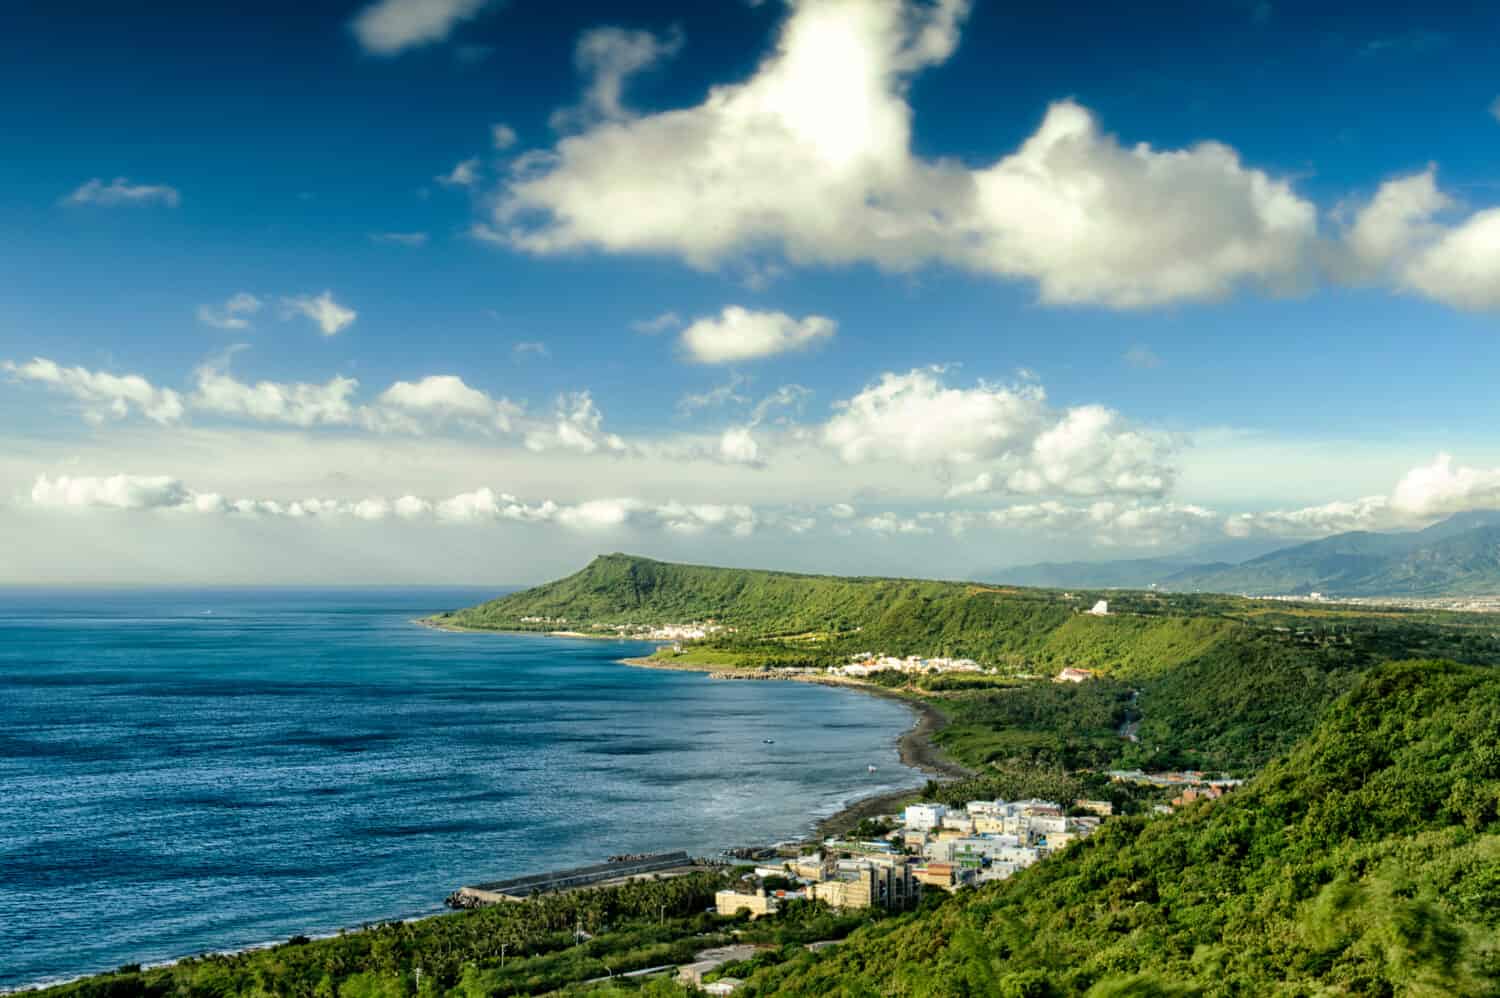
<point>1458,556</point>
<point>1132,573</point>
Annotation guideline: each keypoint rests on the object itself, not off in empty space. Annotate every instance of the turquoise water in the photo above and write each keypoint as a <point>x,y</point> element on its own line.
<point>183,772</point>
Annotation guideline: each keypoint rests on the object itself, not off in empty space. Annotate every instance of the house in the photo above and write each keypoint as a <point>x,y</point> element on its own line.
<point>1072,675</point>
<point>723,986</point>
<point>924,817</point>
<point>876,882</point>
<point>758,904</point>
<point>1100,609</point>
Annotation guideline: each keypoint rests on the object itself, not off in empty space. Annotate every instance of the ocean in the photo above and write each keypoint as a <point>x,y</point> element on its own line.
<point>193,771</point>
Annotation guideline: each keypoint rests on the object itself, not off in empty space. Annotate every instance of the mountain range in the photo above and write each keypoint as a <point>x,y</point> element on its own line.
<point>1459,556</point>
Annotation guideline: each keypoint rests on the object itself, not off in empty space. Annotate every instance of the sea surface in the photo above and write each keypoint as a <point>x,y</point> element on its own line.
<point>193,771</point>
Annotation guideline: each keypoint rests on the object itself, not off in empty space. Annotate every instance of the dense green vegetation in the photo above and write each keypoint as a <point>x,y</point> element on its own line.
<point>1363,858</point>
<point>1367,861</point>
<point>1221,682</point>
<point>513,948</point>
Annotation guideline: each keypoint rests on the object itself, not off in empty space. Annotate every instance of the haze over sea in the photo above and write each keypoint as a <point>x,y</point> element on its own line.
<point>189,771</point>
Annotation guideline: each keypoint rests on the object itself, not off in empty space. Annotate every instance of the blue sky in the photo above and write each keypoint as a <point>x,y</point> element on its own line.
<point>1010,285</point>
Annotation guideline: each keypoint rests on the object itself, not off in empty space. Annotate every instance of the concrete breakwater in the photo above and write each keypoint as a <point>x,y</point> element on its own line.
<point>597,875</point>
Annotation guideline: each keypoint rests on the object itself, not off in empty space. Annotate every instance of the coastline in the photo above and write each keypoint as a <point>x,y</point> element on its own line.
<point>915,746</point>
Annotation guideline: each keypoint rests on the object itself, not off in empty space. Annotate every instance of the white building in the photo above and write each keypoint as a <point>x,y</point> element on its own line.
<point>923,817</point>
<point>1101,608</point>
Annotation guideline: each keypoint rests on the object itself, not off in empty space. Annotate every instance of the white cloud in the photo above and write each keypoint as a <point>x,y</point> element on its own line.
<point>295,404</point>
<point>917,419</point>
<point>1398,238</point>
<point>1142,357</point>
<point>233,314</point>
<point>502,136</point>
<point>577,426</point>
<point>739,334</point>
<point>390,27</point>
<point>113,492</point>
<point>103,395</point>
<point>738,446</point>
<point>1495,109</point>
<point>1441,487</point>
<point>609,57</point>
<point>400,238</point>
<point>331,317</point>
<point>1368,513</point>
<point>812,157</point>
<point>1090,451</point>
<point>1425,493</point>
<point>660,324</point>
<point>1113,524</point>
<point>530,348</point>
<point>1014,442</point>
<point>122,191</point>
<point>464,174</point>
<point>437,400</point>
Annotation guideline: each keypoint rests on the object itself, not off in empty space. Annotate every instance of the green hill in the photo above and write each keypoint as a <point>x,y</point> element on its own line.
<point>1218,682</point>
<point>1366,861</point>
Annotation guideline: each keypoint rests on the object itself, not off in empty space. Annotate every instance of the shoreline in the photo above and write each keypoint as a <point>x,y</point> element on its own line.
<point>914,746</point>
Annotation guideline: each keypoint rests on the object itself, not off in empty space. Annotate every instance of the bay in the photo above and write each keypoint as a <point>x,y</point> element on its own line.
<point>205,770</point>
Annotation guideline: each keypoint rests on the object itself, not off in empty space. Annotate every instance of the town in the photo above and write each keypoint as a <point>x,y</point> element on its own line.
<point>930,846</point>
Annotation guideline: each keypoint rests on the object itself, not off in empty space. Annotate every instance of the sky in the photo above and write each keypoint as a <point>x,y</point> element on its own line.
<point>469,291</point>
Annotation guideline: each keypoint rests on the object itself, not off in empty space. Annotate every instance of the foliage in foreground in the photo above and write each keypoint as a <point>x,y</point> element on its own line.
<point>1365,862</point>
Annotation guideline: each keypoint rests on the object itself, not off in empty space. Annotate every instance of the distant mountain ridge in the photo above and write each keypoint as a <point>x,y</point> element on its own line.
<point>1459,556</point>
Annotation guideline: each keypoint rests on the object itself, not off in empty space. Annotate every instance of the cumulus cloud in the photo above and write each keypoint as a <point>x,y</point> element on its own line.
<point>113,492</point>
<point>464,174</point>
<point>739,334</point>
<point>296,403</point>
<point>122,191</point>
<point>1090,451</point>
<point>1008,436</point>
<point>438,400</point>
<point>609,57</point>
<point>738,446</point>
<point>1111,523</point>
<point>577,426</point>
<point>811,157</point>
<point>234,313</point>
<point>102,395</point>
<point>1424,494</point>
<point>480,506</point>
<point>390,27</point>
<point>331,317</point>
<point>1399,237</point>
<point>918,419</point>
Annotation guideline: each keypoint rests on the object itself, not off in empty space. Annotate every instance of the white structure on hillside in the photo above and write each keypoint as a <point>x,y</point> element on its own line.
<point>923,817</point>
<point>1101,608</point>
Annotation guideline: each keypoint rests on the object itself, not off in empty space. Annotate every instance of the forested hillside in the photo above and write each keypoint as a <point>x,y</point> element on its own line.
<point>1367,861</point>
<point>1216,682</point>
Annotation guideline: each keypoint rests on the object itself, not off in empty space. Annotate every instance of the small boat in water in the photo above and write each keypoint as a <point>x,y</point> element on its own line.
<point>769,741</point>
<point>871,768</point>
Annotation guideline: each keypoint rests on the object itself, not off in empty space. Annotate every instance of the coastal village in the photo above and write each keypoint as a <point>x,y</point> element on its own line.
<point>926,847</point>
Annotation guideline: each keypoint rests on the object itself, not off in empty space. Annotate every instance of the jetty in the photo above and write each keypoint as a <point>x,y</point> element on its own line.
<point>615,871</point>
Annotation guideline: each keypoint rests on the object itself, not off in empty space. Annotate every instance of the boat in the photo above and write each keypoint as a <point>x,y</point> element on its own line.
<point>871,768</point>
<point>769,741</point>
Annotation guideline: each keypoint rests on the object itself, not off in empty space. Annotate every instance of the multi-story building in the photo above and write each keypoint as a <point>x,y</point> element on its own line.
<point>758,904</point>
<point>875,882</point>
